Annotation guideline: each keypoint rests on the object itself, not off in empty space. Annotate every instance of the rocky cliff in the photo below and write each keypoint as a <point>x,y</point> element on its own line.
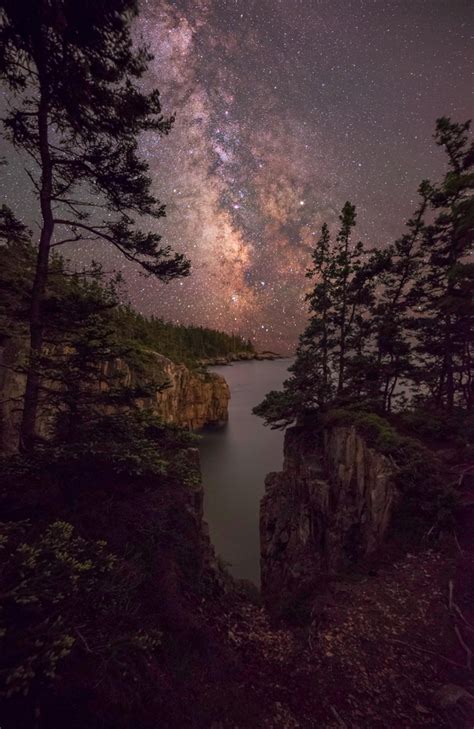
<point>192,399</point>
<point>330,506</point>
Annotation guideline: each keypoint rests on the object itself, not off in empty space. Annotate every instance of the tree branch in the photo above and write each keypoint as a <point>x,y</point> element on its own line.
<point>100,234</point>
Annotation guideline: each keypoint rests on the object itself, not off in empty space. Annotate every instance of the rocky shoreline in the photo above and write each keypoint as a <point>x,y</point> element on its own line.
<point>239,357</point>
<point>192,399</point>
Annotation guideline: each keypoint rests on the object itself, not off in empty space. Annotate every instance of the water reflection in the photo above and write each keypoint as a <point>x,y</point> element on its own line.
<point>235,461</point>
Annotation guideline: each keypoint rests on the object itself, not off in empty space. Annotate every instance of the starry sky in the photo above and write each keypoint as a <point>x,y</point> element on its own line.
<point>284,110</point>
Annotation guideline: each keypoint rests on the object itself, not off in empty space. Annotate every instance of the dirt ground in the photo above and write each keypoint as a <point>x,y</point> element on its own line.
<point>392,648</point>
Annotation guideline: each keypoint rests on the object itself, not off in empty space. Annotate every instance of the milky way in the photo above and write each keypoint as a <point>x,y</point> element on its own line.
<point>284,110</point>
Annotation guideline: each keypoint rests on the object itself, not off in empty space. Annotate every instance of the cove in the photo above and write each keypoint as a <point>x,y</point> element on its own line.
<point>235,461</point>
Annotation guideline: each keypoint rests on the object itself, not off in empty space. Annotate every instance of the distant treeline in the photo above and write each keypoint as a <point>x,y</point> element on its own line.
<point>82,292</point>
<point>179,342</point>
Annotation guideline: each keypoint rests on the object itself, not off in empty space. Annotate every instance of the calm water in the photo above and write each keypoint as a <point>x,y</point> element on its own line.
<point>235,461</point>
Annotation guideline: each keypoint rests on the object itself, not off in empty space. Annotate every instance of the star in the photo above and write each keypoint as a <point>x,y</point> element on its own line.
<point>282,111</point>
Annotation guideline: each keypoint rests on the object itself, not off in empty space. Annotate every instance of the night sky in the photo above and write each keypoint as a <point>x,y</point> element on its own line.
<point>284,110</point>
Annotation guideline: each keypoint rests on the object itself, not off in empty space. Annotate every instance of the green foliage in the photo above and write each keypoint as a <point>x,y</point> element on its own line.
<point>181,344</point>
<point>425,497</point>
<point>378,431</point>
<point>16,273</point>
<point>134,443</point>
<point>79,75</point>
<point>83,340</point>
<point>416,466</point>
<point>77,617</point>
<point>392,327</point>
<point>278,409</point>
<point>12,230</point>
<point>439,427</point>
<point>53,585</point>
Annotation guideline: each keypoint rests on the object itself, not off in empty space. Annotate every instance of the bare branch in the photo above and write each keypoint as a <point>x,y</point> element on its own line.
<point>35,184</point>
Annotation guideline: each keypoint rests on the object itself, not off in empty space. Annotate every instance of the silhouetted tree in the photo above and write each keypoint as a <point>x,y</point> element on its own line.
<point>331,347</point>
<point>443,298</point>
<point>390,324</point>
<point>77,111</point>
<point>82,365</point>
<point>343,268</point>
<point>396,269</point>
<point>312,382</point>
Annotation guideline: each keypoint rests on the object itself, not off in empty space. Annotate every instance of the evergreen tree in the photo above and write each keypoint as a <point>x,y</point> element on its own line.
<point>12,231</point>
<point>319,337</point>
<point>355,347</point>
<point>81,377</point>
<point>16,267</point>
<point>388,324</point>
<point>330,348</point>
<point>342,270</point>
<point>443,297</point>
<point>312,383</point>
<point>396,269</point>
<point>76,110</point>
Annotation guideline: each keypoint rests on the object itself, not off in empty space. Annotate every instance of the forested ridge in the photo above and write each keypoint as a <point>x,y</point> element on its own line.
<point>179,342</point>
<point>185,344</point>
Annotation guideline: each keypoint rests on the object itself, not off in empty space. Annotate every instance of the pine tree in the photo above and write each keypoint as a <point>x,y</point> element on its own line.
<point>76,110</point>
<point>312,383</point>
<point>444,294</point>
<point>81,376</point>
<point>352,294</point>
<point>343,268</point>
<point>330,348</point>
<point>312,375</point>
<point>16,264</point>
<point>386,325</point>
<point>358,362</point>
<point>396,269</point>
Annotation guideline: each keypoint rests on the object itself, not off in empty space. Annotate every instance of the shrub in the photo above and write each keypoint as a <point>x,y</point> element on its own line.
<point>134,443</point>
<point>56,589</point>
<point>418,472</point>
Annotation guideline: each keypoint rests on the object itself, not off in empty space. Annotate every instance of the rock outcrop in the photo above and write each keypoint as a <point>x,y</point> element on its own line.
<point>240,357</point>
<point>192,399</point>
<point>329,507</point>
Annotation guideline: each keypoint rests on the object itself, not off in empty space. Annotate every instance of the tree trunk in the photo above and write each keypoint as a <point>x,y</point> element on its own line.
<point>342,351</point>
<point>449,367</point>
<point>32,390</point>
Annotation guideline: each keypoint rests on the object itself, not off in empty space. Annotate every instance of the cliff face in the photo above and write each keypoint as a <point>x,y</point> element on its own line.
<point>192,400</point>
<point>330,506</point>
